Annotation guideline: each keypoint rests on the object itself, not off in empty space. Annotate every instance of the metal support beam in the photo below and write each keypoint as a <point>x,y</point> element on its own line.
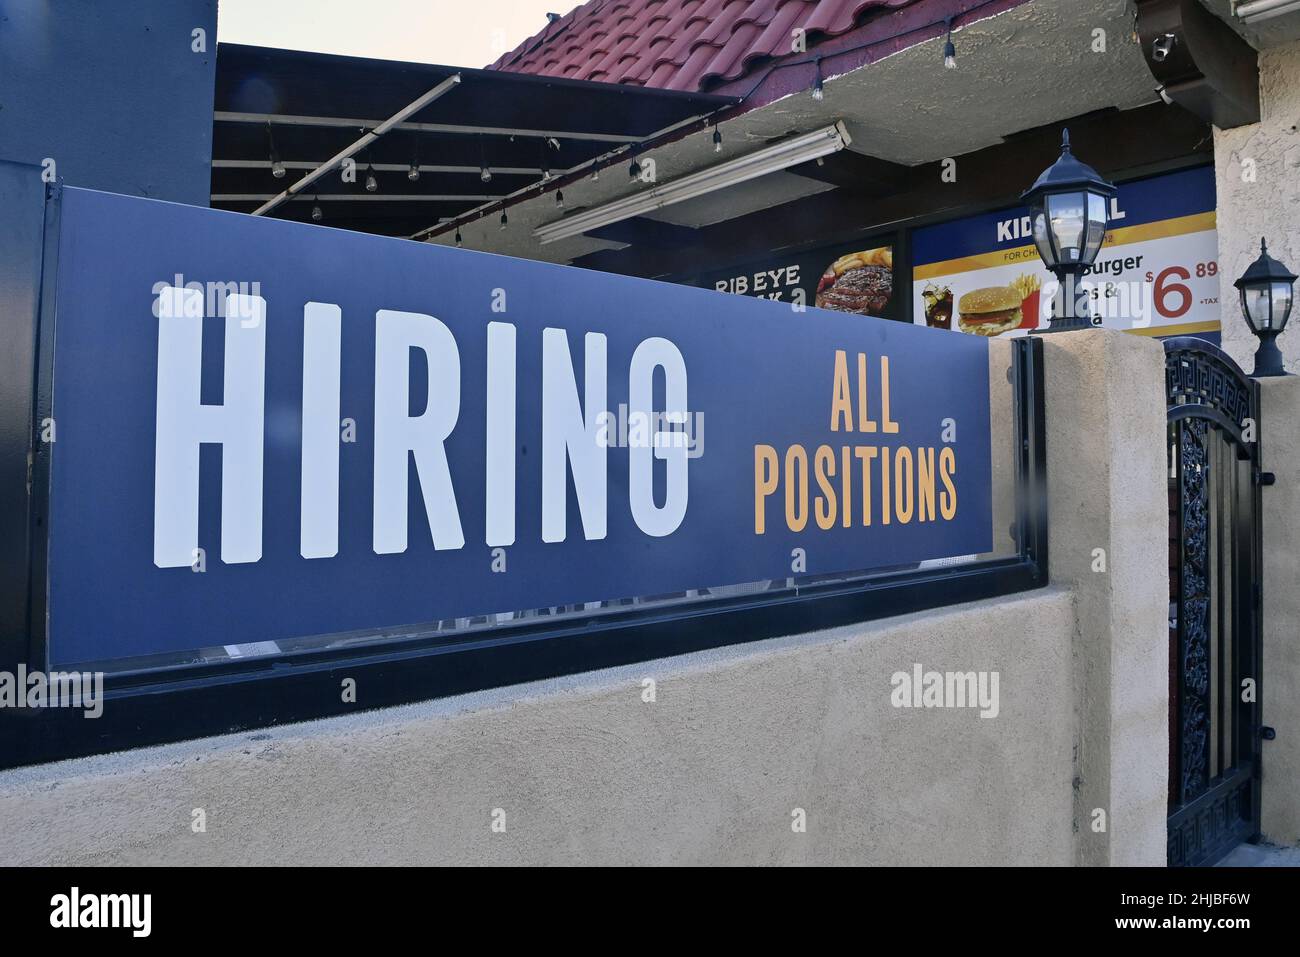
<point>354,197</point>
<point>380,167</point>
<point>287,119</point>
<point>395,120</point>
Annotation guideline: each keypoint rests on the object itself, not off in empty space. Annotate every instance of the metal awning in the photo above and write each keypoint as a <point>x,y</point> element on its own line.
<point>307,111</point>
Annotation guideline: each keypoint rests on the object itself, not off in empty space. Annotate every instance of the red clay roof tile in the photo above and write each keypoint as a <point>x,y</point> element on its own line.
<point>680,44</point>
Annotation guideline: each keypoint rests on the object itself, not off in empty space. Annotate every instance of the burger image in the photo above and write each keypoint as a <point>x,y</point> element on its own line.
<point>990,311</point>
<point>859,282</point>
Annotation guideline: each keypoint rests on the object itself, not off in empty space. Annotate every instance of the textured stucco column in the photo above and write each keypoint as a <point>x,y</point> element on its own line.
<point>1280,682</point>
<point>1258,172</point>
<point>1106,473</point>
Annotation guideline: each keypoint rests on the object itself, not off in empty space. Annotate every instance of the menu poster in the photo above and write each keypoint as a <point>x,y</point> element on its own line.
<point>1156,274</point>
<point>857,278</point>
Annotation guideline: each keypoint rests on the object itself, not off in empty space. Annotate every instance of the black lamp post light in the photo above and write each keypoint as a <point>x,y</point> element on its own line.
<point>1069,211</point>
<point>1266,294</point>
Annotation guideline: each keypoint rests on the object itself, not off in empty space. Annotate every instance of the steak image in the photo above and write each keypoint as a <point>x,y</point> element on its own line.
<point>865,291</point>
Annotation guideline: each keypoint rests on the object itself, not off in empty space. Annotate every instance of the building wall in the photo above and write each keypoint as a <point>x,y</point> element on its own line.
<point>737,739</point>
<point>1258,169</point>
<point>1280,682</point>
<point>114,93</point>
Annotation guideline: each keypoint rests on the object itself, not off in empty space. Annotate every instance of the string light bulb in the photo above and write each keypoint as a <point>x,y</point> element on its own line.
<point>949,48</point>
<point>634,170</point>
<point>504,219</point>
<point>818,90</point>
<point>317,214</point>
<point>559,198</point>
<point>413,173</point>
<point>277,167</point>
<point>459,241</point>
<point>717,139</point>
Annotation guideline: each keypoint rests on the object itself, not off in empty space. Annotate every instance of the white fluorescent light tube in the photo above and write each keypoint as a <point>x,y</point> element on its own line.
<point>1258,10</point>
<point>798,149</point>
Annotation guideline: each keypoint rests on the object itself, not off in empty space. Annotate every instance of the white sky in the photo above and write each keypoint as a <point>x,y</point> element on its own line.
<point>469,33</point>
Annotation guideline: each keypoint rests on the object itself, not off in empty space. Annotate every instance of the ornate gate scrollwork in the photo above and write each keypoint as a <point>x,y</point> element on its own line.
<point>1195,651</point>
<point>1212,410</point>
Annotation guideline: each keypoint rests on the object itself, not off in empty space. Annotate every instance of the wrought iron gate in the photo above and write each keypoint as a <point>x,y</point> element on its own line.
<point>1214,602</point>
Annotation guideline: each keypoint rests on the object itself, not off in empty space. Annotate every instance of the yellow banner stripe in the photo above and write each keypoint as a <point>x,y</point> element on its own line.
<point>1162,229</point>
<point>1186,329</point>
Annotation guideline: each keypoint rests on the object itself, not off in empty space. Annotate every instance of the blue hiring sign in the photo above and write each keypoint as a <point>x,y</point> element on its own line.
<point>269,430</point>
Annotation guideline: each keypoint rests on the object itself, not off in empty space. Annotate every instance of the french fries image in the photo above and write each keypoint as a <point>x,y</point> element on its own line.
<point>1027,286</point>
<point>884,256</point>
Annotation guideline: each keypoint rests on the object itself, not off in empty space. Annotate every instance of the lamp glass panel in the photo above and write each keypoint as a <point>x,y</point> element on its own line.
<point>1096,226</point>
<point>1042,233</point>
<point>1257,305</point>
<point>1067,216</point>
<point>1281,304</point>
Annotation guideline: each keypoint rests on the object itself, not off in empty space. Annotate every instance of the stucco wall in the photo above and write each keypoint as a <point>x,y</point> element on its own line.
<point>587,772</point>
<point>1280,682</point>
<point>1106,467</point>
<point>1258,170</point>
